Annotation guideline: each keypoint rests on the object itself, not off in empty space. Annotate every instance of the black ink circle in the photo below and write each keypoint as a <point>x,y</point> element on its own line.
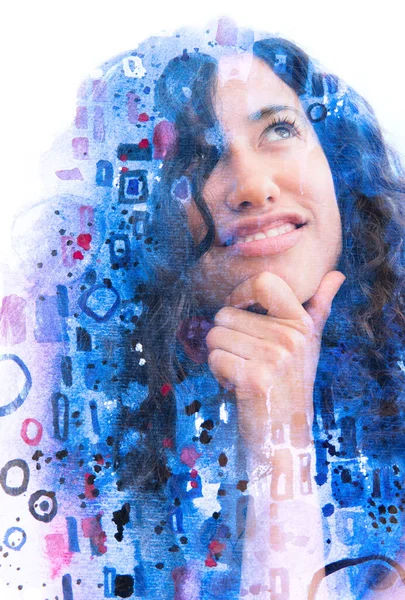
<point>313,108</point>
<point>21,464</point>
<point>34,505</point>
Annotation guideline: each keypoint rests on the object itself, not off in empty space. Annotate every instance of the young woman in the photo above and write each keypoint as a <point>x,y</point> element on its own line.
<point>231,319</point>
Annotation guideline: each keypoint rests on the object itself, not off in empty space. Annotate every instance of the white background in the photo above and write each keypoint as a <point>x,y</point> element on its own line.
<point>48,46</point>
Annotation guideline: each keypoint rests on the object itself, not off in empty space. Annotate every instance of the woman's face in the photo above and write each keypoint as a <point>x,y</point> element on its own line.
<point>271,195</point>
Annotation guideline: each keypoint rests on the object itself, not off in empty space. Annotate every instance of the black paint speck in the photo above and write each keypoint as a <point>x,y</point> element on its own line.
<point>61,454</point>
<point>205,438</point>
<point>121,518</point>
<point>192,408</point>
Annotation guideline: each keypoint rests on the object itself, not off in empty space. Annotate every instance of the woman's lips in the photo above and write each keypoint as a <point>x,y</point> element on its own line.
<point>267,246</point>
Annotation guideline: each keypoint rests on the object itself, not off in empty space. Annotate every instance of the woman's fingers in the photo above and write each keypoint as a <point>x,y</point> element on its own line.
<point>226,367</point>
<point>260,334</point>
<point>248,346</point>
<point>232,341</point>
<point>251,379</point>
<point>272,293</point>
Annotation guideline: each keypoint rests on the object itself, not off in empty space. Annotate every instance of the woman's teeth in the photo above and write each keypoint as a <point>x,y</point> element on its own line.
<point>272,232</point>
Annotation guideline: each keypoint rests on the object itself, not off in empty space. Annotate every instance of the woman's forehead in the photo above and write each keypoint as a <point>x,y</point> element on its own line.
<point>247,84</point>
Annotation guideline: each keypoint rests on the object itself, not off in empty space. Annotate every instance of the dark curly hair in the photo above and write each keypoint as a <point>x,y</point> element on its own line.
<point>363,334</point>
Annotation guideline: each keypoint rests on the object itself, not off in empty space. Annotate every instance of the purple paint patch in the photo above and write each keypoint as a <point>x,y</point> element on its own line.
<point>181,191</point>
<point>48,326</point>
<point>227,32</point>
<point>99,90</point>
<point>69,174</point>
<point>164,139</point>
<point>186,582</point>
<point>255,589</point>
<point>132,105</point>
<point>80,146</point>
<point>81,117</point>
<point>12,320</point>
<point>82,91</point>
<point>98,124</point>
<point>189,456</point>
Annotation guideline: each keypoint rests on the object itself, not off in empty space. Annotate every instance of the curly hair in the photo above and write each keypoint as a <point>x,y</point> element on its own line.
<point>363,333</point>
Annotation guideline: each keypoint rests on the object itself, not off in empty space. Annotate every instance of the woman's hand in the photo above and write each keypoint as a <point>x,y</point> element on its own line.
<point>270,360</point>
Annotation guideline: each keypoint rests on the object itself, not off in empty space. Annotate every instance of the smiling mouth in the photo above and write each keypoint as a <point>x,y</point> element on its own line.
<point>271,232</point>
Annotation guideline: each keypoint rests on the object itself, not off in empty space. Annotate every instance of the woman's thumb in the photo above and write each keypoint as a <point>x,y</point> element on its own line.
<point>319,306</point>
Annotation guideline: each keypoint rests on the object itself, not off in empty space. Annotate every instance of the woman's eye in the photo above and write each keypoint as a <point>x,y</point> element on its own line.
<point>284,131</point>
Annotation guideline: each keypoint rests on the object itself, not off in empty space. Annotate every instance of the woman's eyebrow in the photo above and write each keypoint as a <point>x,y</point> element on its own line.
<point>270,110</point>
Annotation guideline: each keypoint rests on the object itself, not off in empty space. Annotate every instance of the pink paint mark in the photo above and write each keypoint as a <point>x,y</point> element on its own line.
<point>189,456</point>
<point>89,486</point>
<point>91,527</point>
<point>227,32</point>
<point>143,117</point>
<point>77,255</point>
<point>255,589</point>
<point>99,90</point>
<point>132,106</point>
<point>12,320</point>
<point>34,441</point>
<point>80,147</point>
<point>67,255</point>
<point>84,240</point>
<point>86,215</point>
<point>164,140</point>
<point>58,553</point>
<point>81,117</point>
<point>69,174</point>
<point>98,124</point>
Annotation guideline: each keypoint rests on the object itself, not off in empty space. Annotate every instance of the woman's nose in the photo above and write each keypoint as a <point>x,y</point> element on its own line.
<point>251,183</point>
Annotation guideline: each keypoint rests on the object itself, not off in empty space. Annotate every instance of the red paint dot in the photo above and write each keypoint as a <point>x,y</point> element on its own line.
<point>123,157</point>
<point>124,169</point>
<point>78,255</point>
<point>167,443</point>
<point>143,117</point>
<point>194,484</point>
<point>216,547</point>
<point>210,562</point>
<point>144,143</point>
<point>84,240</point>
<point>165,389</point>
<point>193,473</point>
